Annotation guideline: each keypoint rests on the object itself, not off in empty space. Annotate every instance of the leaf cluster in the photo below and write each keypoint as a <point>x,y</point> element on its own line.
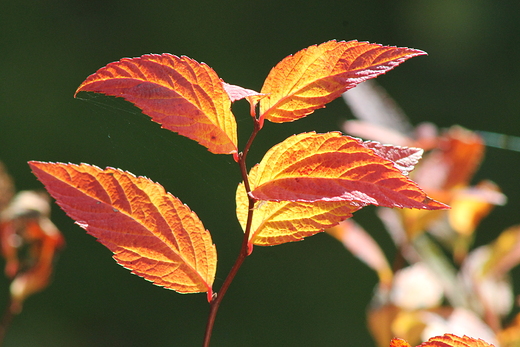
<point>303,185</point>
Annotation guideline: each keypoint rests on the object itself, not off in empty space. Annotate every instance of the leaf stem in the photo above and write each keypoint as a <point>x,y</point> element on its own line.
<point>244,249</point>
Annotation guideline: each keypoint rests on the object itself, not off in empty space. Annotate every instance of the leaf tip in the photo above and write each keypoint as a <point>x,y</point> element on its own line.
<point>432,204</point>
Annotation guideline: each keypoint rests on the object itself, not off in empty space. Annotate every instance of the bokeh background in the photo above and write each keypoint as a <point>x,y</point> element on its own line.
<point>311,293</point>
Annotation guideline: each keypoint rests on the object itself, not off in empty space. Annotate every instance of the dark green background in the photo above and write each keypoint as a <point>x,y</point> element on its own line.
<point>312,293</point>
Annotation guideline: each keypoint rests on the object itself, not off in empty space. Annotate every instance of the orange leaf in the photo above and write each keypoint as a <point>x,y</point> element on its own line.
<point>450,340</point>
<point>453,163</point>
<point>150,232</point>
<point>397,342</point>
<point>469,206</point>
<point>331,167</point>
<point>287,221</point>
<point>181,94</point>
<point>316,75</point>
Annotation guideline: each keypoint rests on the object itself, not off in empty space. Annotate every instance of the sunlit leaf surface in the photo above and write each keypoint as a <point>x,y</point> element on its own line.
<point>150,232</point>
<point>179,93</point>
<point>330,167</point>
<point>314,76</point>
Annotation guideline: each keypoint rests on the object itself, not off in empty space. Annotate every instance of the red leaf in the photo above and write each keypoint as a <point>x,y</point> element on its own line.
<point>316,75</point>
<point>149,231</point>
<point>331,167</point>
<point>179,93</point>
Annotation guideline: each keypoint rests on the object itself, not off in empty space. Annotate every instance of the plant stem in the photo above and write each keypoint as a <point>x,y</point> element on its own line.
<point>244,249</point>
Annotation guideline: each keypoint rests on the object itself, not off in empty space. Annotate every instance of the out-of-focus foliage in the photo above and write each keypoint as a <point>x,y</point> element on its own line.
<point>29,243</point>
<point>439,283</point>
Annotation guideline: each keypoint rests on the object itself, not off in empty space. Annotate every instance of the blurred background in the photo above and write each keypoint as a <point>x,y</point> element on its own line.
<point>310,293</point>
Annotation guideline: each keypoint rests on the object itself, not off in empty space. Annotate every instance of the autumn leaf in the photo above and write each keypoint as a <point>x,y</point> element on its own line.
<point>181,94</point>
<point>287,221</point>
<point>397,342</point>
<point>314,76</point>
<point>451,340</point>
<point>312,167</point>
<point>446,340</point>
<point>150,232</point>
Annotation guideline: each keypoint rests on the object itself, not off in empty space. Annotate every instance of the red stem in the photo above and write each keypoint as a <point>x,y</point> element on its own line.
<point>244,250</point>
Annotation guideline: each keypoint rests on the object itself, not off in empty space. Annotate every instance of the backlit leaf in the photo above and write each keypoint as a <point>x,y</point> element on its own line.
<point>287,221</point>
<point>397,342</point>
<point>316,75</point>
<point>330,167</point>
<point>150,232</point>
<point>447,340</point>
<point>181,94</point>
<point>451,340</point>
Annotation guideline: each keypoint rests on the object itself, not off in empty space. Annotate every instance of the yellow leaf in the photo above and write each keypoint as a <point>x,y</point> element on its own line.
<point>316,75</point>
<point>179,93</point>
<point>285,221</point>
